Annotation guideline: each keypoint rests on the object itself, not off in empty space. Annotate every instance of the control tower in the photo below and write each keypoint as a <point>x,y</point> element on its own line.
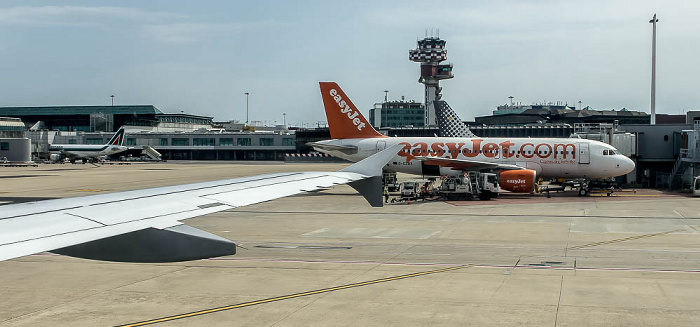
<point>430,52</point>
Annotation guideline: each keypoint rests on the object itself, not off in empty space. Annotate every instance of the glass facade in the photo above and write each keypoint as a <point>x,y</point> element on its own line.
<point>90,140</point>
<point>288,141</point>
<point>163,141</point>
<point>243,141</point>
<point>397,114</point>
<point>181,142</point>
<point>226,141</point>
<point>209,141</point>
<point>267,141</point>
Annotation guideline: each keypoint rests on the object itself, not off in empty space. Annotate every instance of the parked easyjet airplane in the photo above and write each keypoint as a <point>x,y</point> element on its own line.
<point>520,160</point>
<point>85,151</point>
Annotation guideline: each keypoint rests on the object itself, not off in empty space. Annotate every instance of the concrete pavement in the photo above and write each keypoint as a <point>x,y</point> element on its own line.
<point>564,261</point>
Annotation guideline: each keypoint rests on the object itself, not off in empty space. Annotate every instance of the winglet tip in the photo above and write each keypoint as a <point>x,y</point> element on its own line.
<point>373,165</point>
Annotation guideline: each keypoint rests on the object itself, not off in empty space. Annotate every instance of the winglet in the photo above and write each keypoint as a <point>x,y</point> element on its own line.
<point>371,188</point>
<point>372,165</point>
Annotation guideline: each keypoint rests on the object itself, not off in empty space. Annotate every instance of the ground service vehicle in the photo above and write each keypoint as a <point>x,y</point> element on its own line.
<point>410,190</point>
<point>389,181</point>
<point>470,185</point>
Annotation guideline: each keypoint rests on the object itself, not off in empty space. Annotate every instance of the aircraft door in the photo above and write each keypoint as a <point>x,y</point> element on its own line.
<point>381,145</point>
<point>584,155</point>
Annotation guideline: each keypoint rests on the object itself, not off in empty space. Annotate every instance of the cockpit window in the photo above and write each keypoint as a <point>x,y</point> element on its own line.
<point>610,152</point>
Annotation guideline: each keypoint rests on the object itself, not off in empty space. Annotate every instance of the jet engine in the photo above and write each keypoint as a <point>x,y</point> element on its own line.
<point>55,157</point>
<point>518,181</point>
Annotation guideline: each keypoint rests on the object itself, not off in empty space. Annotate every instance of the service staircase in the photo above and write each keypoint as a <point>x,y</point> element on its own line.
<point>675,179</point>
<point>151,153</point>
<point>474,184</point>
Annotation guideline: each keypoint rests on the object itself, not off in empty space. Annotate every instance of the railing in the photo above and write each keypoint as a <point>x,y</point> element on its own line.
<point>688,155</point>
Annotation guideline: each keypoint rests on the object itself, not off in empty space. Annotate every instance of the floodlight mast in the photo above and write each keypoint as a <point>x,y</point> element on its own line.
<point>653,22</point>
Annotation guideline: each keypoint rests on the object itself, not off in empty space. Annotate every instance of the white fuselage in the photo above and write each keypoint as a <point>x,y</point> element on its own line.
<point>549,157</point>
<point>80,151</point>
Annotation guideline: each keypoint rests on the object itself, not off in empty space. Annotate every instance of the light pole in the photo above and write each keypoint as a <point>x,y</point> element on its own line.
<point>579,105</point>
<point>653,22</point>
<point>284,118</point>
<point>112,96</point>
<point>511,100</point>
<point>386,95</point>
<point>246,107</point>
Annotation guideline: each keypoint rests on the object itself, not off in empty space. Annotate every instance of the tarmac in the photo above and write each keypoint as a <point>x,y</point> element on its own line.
<point>328,259</point>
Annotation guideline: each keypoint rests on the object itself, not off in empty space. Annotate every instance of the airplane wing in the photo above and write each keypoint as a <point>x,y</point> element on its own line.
<point>468,165</point>
<point>144,225</point>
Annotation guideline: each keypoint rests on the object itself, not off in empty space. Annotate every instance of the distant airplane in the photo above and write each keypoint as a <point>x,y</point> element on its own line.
<point>86,152</point>
<point>144,225</point>
<point>519,160</point>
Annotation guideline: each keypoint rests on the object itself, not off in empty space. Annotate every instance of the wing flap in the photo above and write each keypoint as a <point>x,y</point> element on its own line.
<point>274,191</point>
<point>24,228</point>
<point>137,209</point>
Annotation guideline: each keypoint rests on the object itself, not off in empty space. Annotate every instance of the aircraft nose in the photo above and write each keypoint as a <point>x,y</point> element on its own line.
<point>626,165</point>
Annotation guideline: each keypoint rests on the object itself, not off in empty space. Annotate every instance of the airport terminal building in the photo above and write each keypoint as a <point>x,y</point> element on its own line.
<point>655,149</point>
<point>174,136</point>
<point>195,145</point>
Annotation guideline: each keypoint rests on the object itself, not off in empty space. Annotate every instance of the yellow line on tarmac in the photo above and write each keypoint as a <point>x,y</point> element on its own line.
<point>625,239</point>
<point>601,195</point>
<point>292,296</point>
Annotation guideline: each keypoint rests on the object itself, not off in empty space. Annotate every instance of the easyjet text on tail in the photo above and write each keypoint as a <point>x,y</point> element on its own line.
<point>344,120</point>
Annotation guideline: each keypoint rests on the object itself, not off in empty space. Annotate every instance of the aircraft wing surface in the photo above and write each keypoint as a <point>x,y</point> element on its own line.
<point>468,165</point>
<point>144,225</point>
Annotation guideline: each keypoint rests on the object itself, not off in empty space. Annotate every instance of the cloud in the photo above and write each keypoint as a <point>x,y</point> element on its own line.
<point>163,27</point>
<point>79,16</point>
<point>191,32</point>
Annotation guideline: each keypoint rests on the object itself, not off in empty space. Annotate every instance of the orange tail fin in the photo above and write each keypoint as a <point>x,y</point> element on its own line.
<point>344,120</point>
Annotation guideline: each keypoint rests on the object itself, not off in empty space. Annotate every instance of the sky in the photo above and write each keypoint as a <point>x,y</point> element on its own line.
<point>201,57</point>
